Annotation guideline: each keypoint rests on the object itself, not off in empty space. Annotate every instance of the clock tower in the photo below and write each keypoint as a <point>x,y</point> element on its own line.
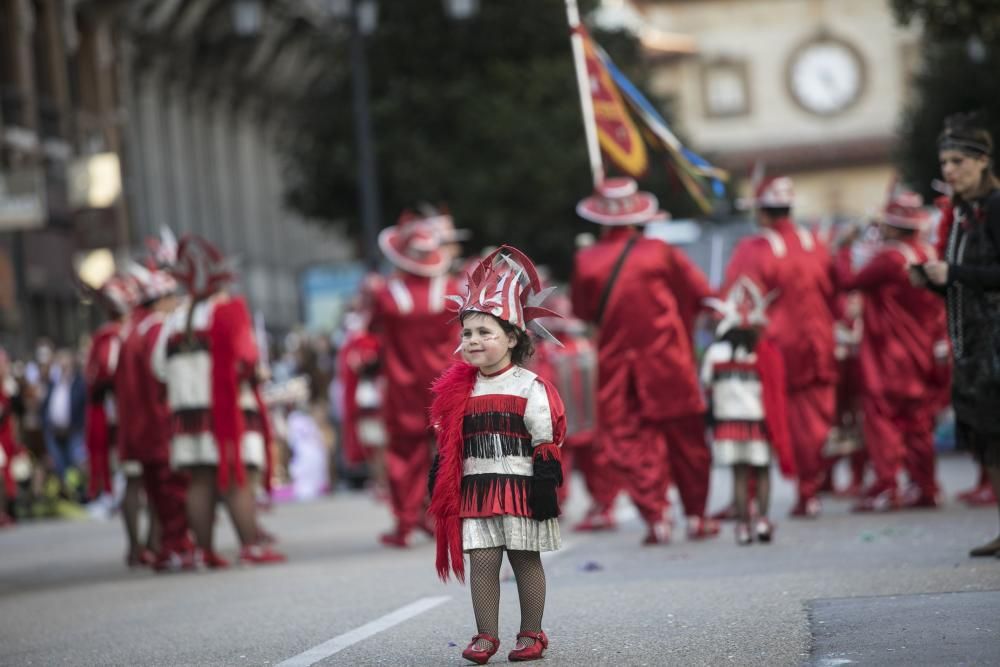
<point>811,88</point>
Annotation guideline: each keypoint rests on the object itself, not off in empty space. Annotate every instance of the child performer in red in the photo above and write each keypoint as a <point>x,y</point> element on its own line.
<point>745,381</point>
<point>499,428</point>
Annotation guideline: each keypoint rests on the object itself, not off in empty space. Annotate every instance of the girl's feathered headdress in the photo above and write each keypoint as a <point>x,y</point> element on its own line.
<point>506,284</point>
<point>745,307</point>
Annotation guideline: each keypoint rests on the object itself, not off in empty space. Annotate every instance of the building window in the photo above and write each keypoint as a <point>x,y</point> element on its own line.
<point>725,88</point>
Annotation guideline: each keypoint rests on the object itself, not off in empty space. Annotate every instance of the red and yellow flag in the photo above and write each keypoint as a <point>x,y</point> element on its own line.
<point>618,136</point>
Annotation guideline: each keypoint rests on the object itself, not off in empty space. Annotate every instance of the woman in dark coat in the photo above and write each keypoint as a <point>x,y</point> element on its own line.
<point>969,277</point>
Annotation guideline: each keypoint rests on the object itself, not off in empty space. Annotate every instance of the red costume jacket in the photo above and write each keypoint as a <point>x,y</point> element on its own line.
<point>644,340</point>
<point>796,264</point>
<point>100,416</point>
<point>144,425</point>
<point>418,335</point>
<point>904,350</point>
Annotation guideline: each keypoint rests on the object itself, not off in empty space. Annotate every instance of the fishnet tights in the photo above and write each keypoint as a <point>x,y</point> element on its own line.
<point>484,583</point>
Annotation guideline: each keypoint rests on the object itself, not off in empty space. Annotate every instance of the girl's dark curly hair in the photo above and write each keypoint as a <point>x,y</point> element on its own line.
<point>523,350</point>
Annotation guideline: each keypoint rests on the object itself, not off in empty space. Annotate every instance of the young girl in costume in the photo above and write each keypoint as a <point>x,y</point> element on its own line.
<point>744,378</point>
<point>499,429</point>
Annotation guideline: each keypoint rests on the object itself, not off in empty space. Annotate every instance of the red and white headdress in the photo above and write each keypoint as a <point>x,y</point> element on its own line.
<point>744,308</point>
<point>906,211</point>
<point>162,250</point>
<point>413,244</point>
<point>119,293</point>
<point>617,202</point>
<point>506,285</point>
<point>152,284</point>
<point>201,267</point>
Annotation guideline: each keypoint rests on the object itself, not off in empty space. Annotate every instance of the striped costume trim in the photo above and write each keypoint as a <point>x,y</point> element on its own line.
<point>192,421</point>
<point>740,431</point>
<point>495,445</point>
<point>491,495</point>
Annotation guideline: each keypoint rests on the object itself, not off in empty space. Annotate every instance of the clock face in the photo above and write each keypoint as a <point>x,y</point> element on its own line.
<point>826,77</point>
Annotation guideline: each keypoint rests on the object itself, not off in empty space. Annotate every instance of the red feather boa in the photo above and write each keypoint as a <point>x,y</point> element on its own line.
<point>451,397</point>
<point>771,369</point>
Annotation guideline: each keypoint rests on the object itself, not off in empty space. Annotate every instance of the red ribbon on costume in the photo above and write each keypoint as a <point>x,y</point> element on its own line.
<point>96,435</point>
<point>771,370</point>
<point>451,395</point>
<point>227,418</point>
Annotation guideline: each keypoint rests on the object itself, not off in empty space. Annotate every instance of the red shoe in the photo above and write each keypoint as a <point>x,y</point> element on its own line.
<point>174,561</point>
<point>533,652</point>
<point>700,528</point>
<point>807,508</point>
<point>917,498</point>
<point>657,532</point>
<point>983,497</point>
<point>254,554</point>
<point>878,500</point>
<point>210,559</point>
<point>398,539</point>
<point>478,656</point>
<point>597,520</point>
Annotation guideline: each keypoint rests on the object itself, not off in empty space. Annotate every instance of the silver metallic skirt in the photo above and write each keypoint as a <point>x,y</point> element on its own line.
<point>516,533</point>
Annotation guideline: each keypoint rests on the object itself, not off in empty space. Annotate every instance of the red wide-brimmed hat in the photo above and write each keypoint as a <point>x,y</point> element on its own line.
<point>414,245</point>
<point>201,267</point>
<point>906,211</point>
<point>618,201</point>
<point>777,192</point>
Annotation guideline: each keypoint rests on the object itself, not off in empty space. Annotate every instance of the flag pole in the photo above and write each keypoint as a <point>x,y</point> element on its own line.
<point>583,84</point>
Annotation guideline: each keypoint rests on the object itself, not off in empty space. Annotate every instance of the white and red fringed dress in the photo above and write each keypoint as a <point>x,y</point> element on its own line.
<point>747,395</point>
<point>493,432</point>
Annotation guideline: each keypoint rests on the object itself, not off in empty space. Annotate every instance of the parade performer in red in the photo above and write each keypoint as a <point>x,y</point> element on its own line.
<point>846,439</point>
<point>499,429</point>
<point>117,296</point>
<point>362,429</point>
<point>795,264</point>
<point>648,399</point>
<point>744,378</point>
<point>145,418</point>
<point>9,446</point>
<point>207,357</point>
<point>411,321</point>
<point>904,357</point>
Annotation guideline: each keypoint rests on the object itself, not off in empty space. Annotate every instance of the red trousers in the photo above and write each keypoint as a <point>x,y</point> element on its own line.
<point>167,492</point>
<point>688,461</point>
<point>810,416</point>
<point>899,433</point>
<point>634,452</point>
<point>601,483</point>
<point>407,465</point>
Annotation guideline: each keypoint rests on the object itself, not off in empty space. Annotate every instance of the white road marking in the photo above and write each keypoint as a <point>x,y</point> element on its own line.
<point>340,642</point>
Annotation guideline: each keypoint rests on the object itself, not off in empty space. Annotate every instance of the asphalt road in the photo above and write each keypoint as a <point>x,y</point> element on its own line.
<point>67,599</point>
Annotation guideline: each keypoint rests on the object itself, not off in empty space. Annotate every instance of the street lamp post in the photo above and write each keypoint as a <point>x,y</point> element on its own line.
<point>363,16</point>
<point>362,23</point>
